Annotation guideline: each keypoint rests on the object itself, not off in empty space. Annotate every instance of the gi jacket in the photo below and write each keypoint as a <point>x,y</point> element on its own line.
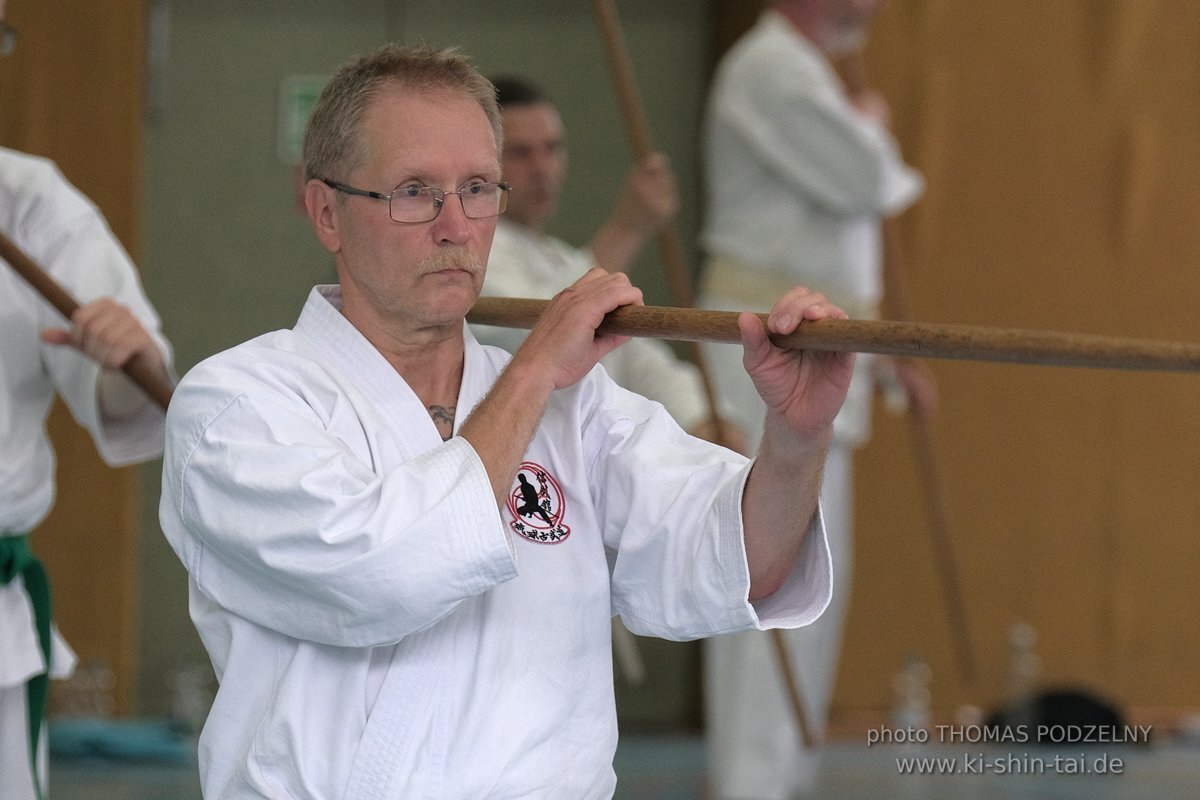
<point>379,627</point>
<point>64,232</point>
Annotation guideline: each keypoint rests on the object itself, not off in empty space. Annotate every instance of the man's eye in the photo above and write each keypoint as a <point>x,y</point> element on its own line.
<point>410,191</point>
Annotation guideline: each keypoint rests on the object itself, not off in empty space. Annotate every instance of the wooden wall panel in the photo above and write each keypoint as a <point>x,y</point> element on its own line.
<point>72,91</point>
<point>1061,145</point>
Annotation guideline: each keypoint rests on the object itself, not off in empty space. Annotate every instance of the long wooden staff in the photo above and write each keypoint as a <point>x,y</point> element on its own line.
<point>918,339</point>
<point>681,290</point>
<point>139,370</point>
<point>670,247</point>
<point>852,69</point>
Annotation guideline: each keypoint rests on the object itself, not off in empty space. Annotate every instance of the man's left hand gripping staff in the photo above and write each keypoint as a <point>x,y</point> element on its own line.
<point>804,388</point>
<point>803,391</point>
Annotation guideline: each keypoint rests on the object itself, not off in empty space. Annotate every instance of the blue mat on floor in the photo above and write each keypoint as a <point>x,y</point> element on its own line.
<point>145,741</point>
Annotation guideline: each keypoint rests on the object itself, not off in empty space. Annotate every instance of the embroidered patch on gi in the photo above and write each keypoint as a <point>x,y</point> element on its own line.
<point>537,505</point>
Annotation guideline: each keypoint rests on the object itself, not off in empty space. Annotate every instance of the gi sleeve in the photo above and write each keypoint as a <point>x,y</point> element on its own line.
<point>670,509</point>
<point>650,368</point>
<point>83,255</point>
<point>304,532</point>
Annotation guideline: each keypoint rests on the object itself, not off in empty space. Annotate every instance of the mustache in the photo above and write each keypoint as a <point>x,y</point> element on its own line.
<point>454,258</point>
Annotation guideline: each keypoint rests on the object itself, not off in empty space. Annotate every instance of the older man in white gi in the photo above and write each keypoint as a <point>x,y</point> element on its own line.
<point>387,613</point>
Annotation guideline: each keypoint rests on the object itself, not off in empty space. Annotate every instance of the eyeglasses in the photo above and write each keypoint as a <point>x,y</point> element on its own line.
<point>8,38</point>
<point>413,203</point>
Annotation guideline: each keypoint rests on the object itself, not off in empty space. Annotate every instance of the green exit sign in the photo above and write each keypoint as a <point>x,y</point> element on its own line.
<point>297,96</point>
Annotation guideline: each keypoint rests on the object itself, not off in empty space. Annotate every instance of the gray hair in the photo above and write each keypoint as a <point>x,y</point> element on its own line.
<point>332,145</point>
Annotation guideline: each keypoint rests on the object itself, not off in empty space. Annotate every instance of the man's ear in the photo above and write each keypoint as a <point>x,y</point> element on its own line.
<point>320,203</point>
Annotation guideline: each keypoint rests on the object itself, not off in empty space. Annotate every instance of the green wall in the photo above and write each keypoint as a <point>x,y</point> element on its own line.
<point>228,257</point>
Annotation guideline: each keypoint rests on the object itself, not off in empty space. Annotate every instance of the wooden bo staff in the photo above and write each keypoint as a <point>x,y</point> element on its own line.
<point>137,368</point>
<point>670,247</point>
<point>853,72</point>
<point>674,261</point>
<point>917,339</point>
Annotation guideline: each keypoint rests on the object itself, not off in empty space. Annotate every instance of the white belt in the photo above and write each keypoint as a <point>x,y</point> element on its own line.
<point>752,285</point>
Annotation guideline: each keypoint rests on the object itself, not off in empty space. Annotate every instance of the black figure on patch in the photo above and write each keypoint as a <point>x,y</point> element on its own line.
<point>530,497</point>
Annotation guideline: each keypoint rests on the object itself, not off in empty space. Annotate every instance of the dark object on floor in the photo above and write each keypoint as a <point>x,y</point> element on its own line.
<point>1066,716</point>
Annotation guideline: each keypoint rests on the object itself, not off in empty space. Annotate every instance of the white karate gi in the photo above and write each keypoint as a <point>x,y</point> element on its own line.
<point>379,628</point>
<point>797,183</point>
<point>525,264</point>
<point>66,235</point>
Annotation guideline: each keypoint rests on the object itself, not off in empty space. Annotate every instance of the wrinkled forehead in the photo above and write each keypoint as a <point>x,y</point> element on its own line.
<point>404,97</point>
<point>430,127</point>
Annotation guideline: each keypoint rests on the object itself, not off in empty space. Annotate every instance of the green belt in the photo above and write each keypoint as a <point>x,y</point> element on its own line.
<point>17,559</point>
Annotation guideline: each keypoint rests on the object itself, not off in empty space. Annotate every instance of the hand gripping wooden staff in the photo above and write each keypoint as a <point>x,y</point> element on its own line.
<point>917,339</point>
<point>675,264</point>
<point>852,70</point>
<point>137,368</point>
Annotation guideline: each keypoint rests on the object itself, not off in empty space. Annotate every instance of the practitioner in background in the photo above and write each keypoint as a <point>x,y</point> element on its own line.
<point>526,261</point>
<point>79,360</point>
<point>799,176</point>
